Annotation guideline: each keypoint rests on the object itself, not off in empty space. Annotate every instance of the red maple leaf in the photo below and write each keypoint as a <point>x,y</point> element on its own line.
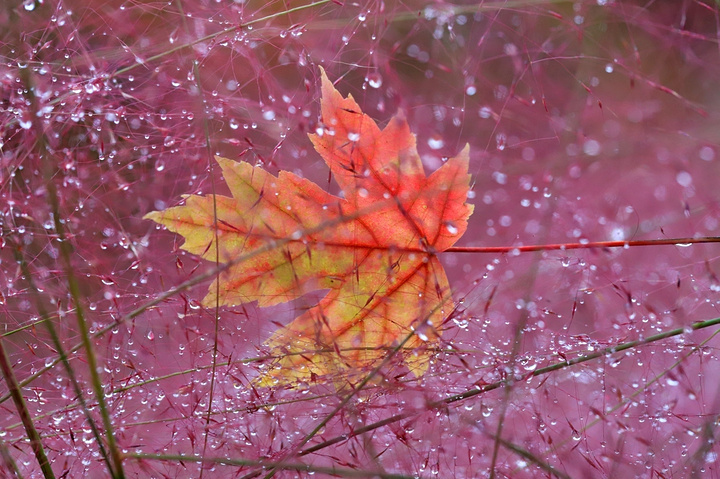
<point>375,249</point>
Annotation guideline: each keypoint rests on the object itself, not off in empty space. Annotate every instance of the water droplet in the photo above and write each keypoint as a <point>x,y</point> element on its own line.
<point>591,148</point>
<point>706,153</point>
<point>169,141</point>
<point>29,5</point>
<point>234,124</point>
<point>435,143</point>
<point>684,179</point>
<point>617,234</point>
<point>374,79</point>
<point>500,178</point>
<point>461,323</point>
<point>352,136</point>
<point>451,228</point>
<point>268,115</point>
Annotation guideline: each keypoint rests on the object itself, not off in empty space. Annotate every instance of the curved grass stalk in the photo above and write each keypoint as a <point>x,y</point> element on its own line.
<point>9,461</point>
<point>334,471</point>
<point>639,390</point>
<point>24,413</point>
<point>342,403</point>
<point>49,324</point>
<point>189,284</point>
<point>247,409</point>
<point>46,154</point>
<point>525,454</point>
<point>211,166</point>
<point>470,393</point>
<point>186,285</point>
<point>681,242</point>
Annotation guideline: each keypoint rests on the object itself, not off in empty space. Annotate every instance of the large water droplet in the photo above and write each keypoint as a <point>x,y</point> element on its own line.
<point>684,179</point>
<point>374,79</point>
<point>435,143</point>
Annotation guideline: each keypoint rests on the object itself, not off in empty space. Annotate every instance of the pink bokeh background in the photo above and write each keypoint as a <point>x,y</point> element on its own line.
<point>587,121</point>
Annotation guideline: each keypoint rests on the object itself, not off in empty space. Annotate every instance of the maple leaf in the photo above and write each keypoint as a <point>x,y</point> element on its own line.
<point>374,249</point>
